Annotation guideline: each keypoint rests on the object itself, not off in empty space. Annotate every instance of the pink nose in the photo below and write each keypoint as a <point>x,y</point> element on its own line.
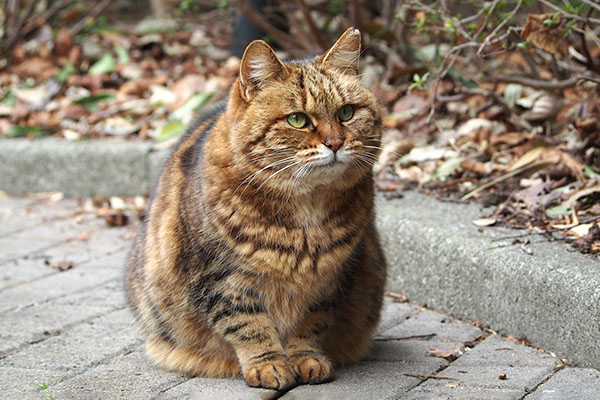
<point>334,143</point>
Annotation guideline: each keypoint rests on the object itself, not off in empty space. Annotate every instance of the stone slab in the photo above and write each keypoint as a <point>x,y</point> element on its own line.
<point>127,377</point>
<point>569,383</point>
<point>478,373</point>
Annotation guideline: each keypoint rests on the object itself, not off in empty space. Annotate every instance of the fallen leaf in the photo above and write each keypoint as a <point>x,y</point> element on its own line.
<point>484,221</point>
<point>580,230</point>
<point>60,265</point>
<point>116,218</point>
<point>527,158</point>
<point>397,297</point>
<point>547,37</point>
<point>449,355</point>
<point>104,65</point>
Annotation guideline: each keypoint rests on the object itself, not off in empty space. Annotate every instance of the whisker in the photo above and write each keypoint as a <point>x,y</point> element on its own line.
<point>253,176</point>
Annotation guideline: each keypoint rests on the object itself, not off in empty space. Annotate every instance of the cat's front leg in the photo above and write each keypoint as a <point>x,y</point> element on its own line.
<point>257,345</point>
<point>304,349</point>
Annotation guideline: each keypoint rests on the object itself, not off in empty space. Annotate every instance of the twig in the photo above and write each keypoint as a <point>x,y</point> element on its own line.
<point>397,296</point>
<point>587,221</point>
<point>503,178</point>
<point>281,37</point>
<point>499,27</point>
<point>592,4</point>
<point>487,18</point>
<point>536,84</point>
<point>431,377</point>
<point>569,15</point>
<point>392,338</point>
<point>98,8</point>
<point>311,24</point>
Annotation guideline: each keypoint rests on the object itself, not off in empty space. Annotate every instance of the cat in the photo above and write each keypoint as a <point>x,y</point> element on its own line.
<point>259,254</point>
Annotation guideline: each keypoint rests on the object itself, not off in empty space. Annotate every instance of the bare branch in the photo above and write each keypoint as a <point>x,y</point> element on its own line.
<point>311,24</point>
<point>284,39</point>
<point>536,84</point>
<point>499,27</point>
<point>569,15</point>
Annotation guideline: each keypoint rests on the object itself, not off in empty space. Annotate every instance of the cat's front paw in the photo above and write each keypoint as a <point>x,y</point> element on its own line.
<point>313,368</point>
<point>274,374</point>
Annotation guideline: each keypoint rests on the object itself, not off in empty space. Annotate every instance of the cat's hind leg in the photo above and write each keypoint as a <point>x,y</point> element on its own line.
<point>208,361</point>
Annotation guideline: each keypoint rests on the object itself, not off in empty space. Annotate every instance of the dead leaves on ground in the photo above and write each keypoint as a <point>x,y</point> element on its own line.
<point>110,84</point>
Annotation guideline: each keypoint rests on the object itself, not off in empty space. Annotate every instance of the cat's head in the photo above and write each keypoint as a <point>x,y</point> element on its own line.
<point>304,123</point>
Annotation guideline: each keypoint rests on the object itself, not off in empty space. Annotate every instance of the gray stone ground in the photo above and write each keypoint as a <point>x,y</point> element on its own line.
<point>70,335</point>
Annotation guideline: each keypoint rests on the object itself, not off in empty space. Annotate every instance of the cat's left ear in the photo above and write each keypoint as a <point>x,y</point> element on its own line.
<point>259,66</point>
<point>344,54</point>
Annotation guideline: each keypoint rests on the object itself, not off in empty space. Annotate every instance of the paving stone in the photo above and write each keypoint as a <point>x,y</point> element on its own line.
<point>443,326</point>
<point>18,214</point>
<point>20,271</point>
<point>40,322</point>
<point>80,347</point>
<point>22,384</point>
<point>59,284</point>
<point>477,372</point>
<point>394,313</point>
<point>366,380</point>
<point>130,377</point>
<point>569,383</point>
<point>216,389</point>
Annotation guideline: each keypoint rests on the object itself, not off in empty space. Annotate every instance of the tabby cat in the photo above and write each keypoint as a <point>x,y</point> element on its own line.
<point>259,255</point>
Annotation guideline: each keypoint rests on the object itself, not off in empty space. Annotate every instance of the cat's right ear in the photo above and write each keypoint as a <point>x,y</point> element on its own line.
<point>259,66</point>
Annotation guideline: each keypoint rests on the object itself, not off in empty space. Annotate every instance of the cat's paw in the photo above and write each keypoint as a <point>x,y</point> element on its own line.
<point>275,374</point>
<point>313,368</point>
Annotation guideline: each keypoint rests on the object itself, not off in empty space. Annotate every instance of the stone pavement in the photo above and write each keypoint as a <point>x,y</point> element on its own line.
<point>69,334</point>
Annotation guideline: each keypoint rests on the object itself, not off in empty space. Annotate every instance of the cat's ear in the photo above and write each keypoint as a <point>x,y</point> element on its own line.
<point>344,54</point>
<point>259,66</point>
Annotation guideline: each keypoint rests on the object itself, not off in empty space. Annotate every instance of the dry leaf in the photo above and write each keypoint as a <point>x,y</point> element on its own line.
<point>527,158</point>
<point>116,218</point>
<point>60,265</point>
<point>449,355</point>
<point>484,221</point>
<point>548,38</point>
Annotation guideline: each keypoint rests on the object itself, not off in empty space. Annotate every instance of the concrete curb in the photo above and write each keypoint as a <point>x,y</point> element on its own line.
<point>88,168</point>
<point>547,294</point>
<point>435,254</point>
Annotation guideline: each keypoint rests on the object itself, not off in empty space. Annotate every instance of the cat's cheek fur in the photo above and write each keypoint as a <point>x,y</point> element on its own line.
<point>257,267</point>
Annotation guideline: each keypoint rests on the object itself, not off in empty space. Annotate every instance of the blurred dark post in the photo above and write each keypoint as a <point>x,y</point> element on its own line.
<point>244,30</point>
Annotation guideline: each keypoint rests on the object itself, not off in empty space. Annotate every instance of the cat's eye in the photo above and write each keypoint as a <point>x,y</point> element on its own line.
<point>345,113</point>
<point>297,120</point>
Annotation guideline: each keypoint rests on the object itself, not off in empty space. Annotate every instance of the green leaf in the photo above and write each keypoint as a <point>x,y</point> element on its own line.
<point>104,65</point>
<point>25,130</point>
<point>463,79</point>
<point>195,102</point>
<point>558,211</point>
<point>447,168</point>
<point>92,102</point>
<point>170,130</point>
<point>122,55</point>
<point>512,93</point>
<point>65,72</point>
<point>9,99</point>
<point>590,173</point>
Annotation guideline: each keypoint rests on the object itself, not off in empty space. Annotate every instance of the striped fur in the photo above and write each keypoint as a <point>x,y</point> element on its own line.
<point>254,260</point>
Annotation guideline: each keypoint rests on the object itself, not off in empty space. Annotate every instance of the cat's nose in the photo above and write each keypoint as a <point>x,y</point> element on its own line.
<point>334,143</point>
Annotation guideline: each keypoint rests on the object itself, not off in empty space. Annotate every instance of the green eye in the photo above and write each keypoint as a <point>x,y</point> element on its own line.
<point>297,120</point>
<point>346,112</point>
